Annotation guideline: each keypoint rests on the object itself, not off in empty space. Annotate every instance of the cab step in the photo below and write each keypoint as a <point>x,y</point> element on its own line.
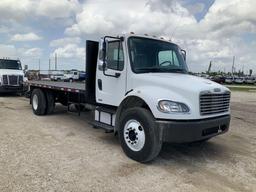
<point>106,127</point>
<point>104,118</point>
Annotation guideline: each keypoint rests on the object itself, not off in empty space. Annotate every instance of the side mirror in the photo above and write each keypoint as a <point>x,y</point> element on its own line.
<point>184,54</point>
<point>104,55</point>
<point>26,67</point>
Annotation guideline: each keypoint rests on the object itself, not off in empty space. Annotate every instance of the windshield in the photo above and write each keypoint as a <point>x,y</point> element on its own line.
<point>10,64</point>
<point>149,55</point>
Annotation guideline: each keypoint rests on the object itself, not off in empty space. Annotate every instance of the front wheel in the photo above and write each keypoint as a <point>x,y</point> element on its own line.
<point>138,134</point>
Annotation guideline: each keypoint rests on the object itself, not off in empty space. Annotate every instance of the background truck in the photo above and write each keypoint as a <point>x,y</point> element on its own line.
<point>11,76</point>
<point>74,76</point>
<point>57,77</point>
<point>139,88</point>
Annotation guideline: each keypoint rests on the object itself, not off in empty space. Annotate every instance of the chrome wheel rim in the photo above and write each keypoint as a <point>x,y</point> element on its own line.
<point>134,135</point>
<point>35,102</point>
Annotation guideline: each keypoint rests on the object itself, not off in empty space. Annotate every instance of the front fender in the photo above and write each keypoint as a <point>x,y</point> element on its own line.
<point>152,94</point>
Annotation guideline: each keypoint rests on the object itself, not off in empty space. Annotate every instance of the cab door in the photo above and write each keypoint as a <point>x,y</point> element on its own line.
<point>111,82</point>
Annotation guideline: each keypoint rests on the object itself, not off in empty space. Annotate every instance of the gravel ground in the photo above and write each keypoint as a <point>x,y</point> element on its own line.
<point>62,152</point>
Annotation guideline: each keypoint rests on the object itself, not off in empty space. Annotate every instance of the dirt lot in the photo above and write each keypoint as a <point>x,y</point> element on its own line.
<point>62,152</point>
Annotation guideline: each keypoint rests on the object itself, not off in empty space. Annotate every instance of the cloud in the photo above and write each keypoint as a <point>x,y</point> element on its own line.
<point>31,52</point>
<point>16,10</point>
<point>196,8</point>
<point>57,9</point>
<point>25,9</point>
<point>64,41</point>
<point>218,36</point>
<point>70,51</point>
<point>139,16</point>
<point>7,51</point>
<point>73,30</point>
<point>26,37</point>
<point>13,52</point>
<point>227,29</point>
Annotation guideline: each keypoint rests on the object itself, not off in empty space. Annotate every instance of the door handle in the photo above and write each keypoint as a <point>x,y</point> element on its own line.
<point>100,84</point>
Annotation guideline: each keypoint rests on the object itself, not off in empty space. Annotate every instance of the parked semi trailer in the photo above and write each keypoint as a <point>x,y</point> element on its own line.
<point>139,88</point>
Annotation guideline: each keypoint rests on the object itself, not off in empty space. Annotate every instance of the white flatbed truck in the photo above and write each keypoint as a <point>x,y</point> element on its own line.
<point>11,76</point>
<point>139,88</point>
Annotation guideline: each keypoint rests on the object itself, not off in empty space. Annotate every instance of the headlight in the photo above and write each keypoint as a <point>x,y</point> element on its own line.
<point>166,106</point>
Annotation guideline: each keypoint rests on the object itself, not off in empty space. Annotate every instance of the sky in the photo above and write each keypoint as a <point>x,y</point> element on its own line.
<point>209,30</point>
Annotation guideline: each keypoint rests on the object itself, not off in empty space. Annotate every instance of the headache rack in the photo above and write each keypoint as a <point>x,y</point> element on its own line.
<point>214,103</point>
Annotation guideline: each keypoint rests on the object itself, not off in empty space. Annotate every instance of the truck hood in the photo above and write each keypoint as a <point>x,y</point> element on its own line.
<point>178,87</point>
<point>181,83</point>
<point>10,72</point>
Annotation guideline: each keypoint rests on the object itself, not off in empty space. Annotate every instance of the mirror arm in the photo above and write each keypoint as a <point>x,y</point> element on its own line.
<point>185,54</point>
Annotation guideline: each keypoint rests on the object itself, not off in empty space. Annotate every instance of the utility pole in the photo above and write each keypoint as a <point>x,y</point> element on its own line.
<point>39,67</point>
<point>49,65</point>
<point>233,66</point>
<point>56,62</point>
<point>85,56</point>
<point>209,68</point>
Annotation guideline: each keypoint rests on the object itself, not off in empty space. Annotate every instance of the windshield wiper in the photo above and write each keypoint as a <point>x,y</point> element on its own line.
<point>178,70</point>
<point>158,69</point>
<point>150,69</point>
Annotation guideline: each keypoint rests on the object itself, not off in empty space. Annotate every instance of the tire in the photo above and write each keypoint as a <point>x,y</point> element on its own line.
<point>38,101</point>
<point>50,100</point>
<point>139,122</point>
<point>71,80</point>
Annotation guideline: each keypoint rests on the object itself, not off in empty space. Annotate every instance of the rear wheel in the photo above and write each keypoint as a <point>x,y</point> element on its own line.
<point>139,135</point>
<point>38,102</point>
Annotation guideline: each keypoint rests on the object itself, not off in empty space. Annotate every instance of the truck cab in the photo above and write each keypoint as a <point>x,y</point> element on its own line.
<point>11,76</point>
<point>139,87</point>
<point>147,79</point>
<point>71,76</point>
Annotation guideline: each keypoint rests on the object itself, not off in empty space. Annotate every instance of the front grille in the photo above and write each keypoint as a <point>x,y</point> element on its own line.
<point>5,80</point>
<point>214,103</point>
<point>13,80</point>
<point>20,79</point>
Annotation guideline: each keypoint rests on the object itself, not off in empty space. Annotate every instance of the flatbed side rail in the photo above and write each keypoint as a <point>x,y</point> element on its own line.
<point>65,89</point>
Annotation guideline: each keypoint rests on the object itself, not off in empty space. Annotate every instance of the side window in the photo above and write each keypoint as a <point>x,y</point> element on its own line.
<point>168,55</point>
<point>112,56</point>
